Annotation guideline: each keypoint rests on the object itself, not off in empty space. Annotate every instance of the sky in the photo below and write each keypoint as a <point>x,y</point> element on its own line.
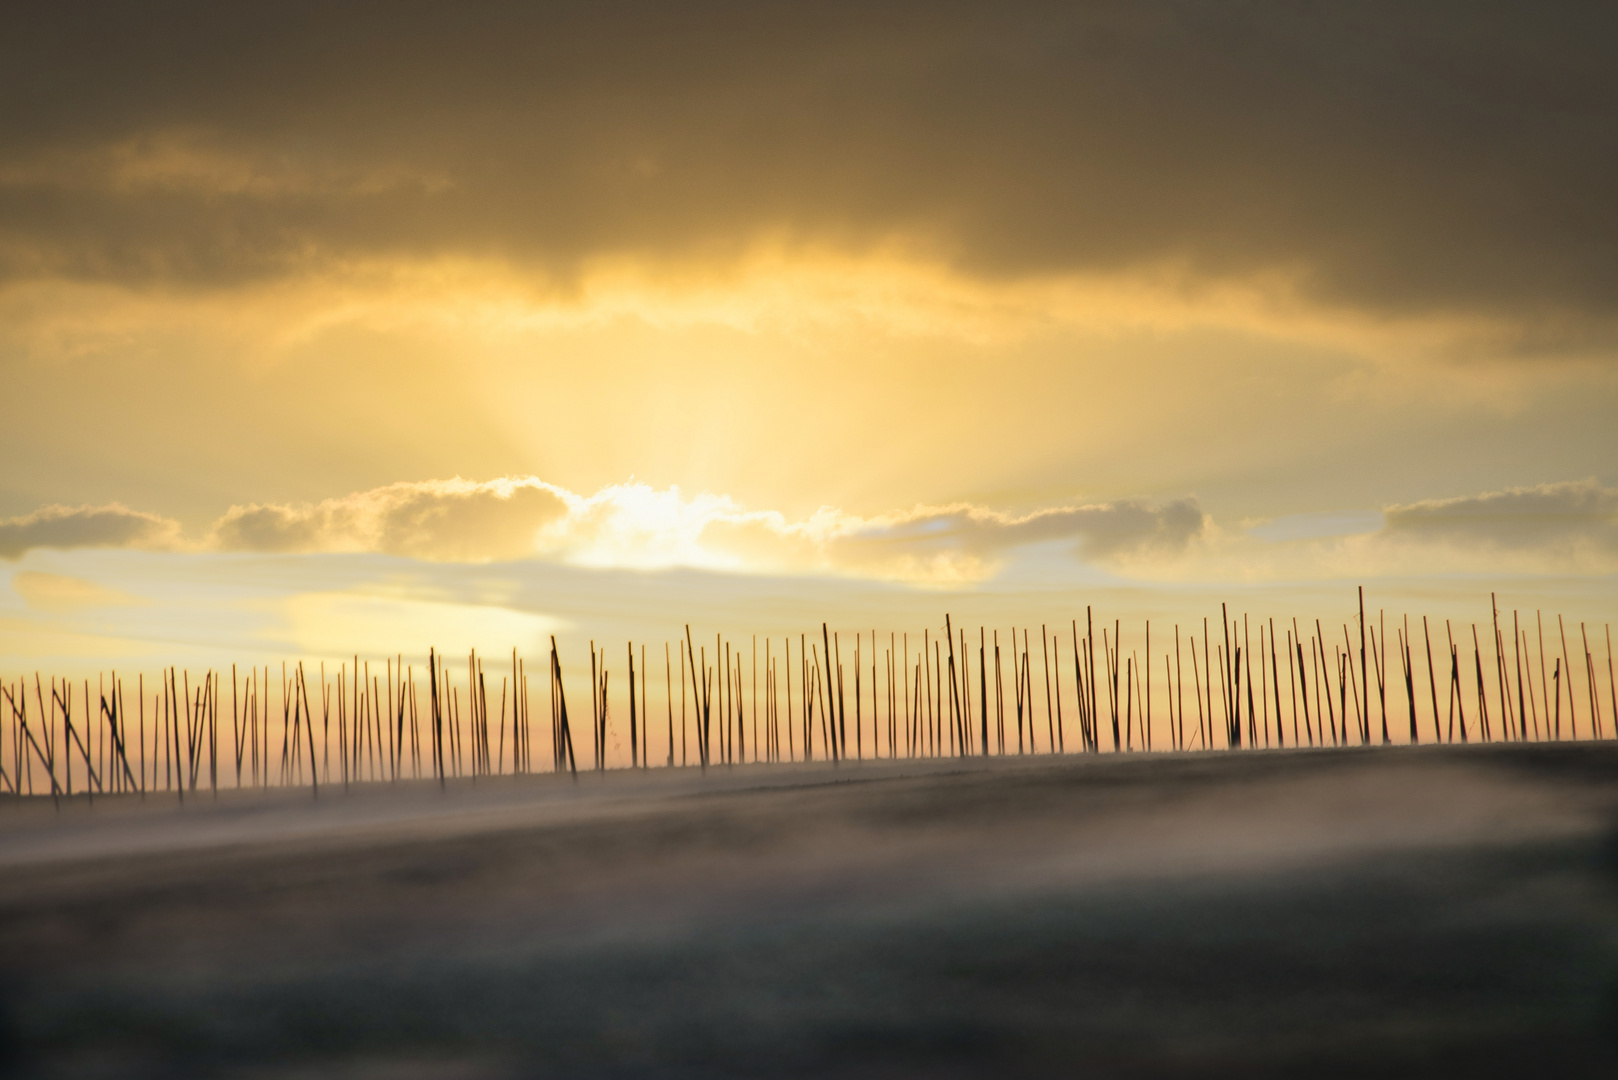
<point>327,331</point>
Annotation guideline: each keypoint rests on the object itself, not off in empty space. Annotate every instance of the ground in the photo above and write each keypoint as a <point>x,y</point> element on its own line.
<point>1398,911</point>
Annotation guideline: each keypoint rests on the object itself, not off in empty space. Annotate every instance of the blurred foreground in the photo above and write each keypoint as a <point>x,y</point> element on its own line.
<point>1406,911</point>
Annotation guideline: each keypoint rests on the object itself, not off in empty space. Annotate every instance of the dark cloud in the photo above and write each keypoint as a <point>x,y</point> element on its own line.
<point>1402,157</point>
<point>85,526</point>
<point>1581,515</point>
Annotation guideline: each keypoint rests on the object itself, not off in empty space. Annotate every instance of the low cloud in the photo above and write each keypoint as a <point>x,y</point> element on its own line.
<point>1575,514</point>
<point>437,519</point>
<point>636,526</point>
<point>113,525</point>
<point>957,543</point>
<point>1569,527</point>
<point>1565,528</point>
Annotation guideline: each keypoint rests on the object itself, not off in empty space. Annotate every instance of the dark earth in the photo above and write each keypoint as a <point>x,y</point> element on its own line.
<point>1432,911</point>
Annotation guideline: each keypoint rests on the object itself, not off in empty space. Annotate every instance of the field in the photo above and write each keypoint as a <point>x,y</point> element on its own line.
<point>1402,910</point>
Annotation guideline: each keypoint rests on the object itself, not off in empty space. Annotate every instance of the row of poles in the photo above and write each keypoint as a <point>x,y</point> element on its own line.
<point>369,724</point>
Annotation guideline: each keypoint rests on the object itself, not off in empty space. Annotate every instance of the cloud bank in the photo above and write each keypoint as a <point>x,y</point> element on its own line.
<point>1389,157</point>
<point>1568,527</point>
<point>633,525</point>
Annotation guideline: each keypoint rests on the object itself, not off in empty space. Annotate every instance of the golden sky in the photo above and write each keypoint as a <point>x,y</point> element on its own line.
<point>313,319</point>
